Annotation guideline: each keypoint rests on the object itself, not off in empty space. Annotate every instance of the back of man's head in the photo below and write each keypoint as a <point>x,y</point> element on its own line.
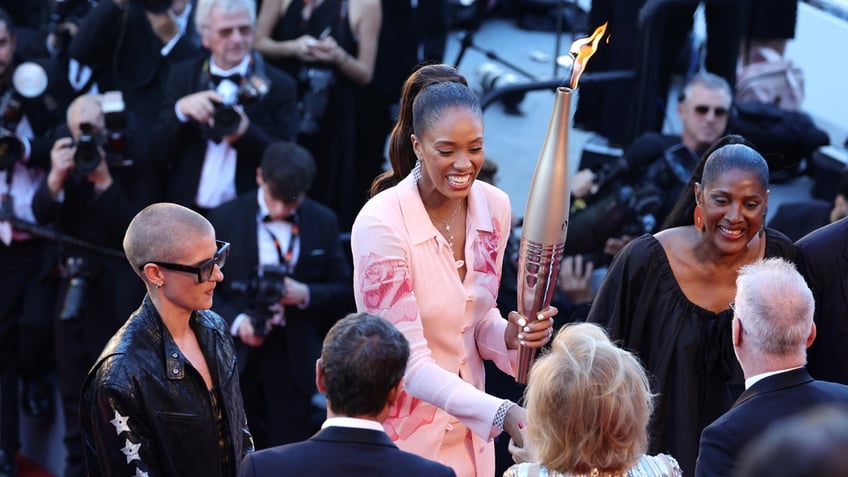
<point>775,307</point>
<point>363,358</point>
<point>287,170</point>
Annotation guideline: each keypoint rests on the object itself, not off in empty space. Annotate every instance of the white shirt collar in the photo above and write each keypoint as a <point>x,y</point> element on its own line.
<point>759,377</point>
<point>354,422</point>
<point>240,68</point>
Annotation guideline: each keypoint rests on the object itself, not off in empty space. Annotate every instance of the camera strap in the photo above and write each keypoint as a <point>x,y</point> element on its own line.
<point>284,259</point>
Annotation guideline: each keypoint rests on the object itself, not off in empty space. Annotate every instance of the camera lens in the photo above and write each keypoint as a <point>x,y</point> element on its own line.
<point>226,120</point>
<point>86,157</point>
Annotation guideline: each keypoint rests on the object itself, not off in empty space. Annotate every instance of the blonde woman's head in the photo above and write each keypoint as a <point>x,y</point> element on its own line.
<point>588,404</point>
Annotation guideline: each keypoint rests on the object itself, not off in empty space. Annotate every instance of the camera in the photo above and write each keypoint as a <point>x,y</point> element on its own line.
<point>317,82</point>
<point>493,77</point>
<point>226,119</point>
<point>28,81</point>
<point>77,271</point>
<point>112,140</point>
<point>264,292</point>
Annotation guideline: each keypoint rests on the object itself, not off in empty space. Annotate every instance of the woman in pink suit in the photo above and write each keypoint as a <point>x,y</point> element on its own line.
<point>427,254</point>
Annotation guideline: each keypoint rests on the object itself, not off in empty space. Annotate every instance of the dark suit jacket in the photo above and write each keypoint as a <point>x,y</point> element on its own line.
<point>182,146</point>
<point>766,402</point>
<point>321,265</point>
<point>797,219</point>
<point>118,43</point>
<point>823,260</point>
<point>342,451</point>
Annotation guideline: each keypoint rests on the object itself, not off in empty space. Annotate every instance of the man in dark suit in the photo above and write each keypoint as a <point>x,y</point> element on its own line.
<point>823,260</point>
<point>361,370</point>
<point>797,219</point>
<point>282,316</point>
<point>771,330</point>
<point>131,49</point>
<point>221,111</point>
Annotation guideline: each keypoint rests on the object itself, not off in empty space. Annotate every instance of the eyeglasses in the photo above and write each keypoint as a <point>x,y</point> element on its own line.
<point>205,269</point>
<point>702,110</point>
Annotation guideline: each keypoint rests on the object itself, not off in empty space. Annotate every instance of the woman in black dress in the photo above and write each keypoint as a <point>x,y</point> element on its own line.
<point>330,48</point>
<point>666,296</point>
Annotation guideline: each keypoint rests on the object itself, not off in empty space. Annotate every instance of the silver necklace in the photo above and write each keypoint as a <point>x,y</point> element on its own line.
<point>447,223</point>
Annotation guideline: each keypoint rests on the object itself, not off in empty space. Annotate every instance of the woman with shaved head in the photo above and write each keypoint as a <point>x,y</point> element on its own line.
<point>164,396</point>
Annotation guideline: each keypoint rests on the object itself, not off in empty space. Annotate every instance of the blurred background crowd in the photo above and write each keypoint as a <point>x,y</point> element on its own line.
<point>107,106</point>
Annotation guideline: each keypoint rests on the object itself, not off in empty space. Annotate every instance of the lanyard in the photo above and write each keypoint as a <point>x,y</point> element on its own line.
<point>295,231</point>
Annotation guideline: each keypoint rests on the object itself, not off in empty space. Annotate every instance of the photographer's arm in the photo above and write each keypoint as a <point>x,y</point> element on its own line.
<point>198,107</point>
<point>61,164</point>
<point>96,38</point>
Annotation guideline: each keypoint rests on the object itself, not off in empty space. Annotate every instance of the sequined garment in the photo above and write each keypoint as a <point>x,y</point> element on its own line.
<point>660,465</point>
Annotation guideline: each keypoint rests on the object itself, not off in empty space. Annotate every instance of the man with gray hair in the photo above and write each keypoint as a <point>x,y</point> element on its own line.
<point>221,110</point>
<point>772,328</point>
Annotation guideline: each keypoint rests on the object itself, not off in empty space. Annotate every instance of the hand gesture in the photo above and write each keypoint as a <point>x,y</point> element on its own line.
<point>575,280</point>
<point>521,331</point>
<point>248,335</point>
<point>199,106</point>
<point>61,163</point>
<point>583,183</point>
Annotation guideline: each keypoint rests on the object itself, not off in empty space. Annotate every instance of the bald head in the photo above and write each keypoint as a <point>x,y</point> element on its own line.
<point>86,109</point>
<point>162,232</point>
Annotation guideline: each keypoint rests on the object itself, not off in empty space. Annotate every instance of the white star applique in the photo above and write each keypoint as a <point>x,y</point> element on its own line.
<point>131,451</point>
<point>140,473</point>
<point>120,422</point>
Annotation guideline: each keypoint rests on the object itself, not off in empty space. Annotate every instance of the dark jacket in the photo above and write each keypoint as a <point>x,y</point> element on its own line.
<point>146,408</point>
<point>342,451</point>
<point>765,403</point>
<point>823,260</point>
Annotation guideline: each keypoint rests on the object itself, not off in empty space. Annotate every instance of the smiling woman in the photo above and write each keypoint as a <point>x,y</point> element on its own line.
<point>666,295</point>
<point>427,256</point>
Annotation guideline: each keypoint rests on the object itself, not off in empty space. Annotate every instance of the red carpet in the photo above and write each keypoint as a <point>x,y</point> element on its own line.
<point>28,468</point>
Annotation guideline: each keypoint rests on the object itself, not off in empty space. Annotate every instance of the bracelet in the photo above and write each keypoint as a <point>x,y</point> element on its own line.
<point>500,416</point>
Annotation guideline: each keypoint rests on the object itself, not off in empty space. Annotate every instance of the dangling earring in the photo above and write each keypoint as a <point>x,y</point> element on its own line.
<point>416,171</point>
<point>699,218</point>
<point>762,227</point>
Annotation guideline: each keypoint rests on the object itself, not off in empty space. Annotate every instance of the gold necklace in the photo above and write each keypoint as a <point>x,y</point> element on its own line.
<point>448,229</point>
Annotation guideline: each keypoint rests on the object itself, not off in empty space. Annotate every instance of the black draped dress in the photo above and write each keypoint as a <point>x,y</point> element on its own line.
<point>333,145</point>
<point>687,350</point>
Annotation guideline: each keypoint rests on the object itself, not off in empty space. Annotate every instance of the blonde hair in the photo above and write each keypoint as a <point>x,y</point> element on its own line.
<point>588,404</point>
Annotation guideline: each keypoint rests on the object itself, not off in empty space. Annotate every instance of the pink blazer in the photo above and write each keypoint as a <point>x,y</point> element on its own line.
<point>404,271</point>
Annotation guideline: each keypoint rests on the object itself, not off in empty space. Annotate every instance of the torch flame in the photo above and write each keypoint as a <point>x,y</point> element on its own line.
<point>583,49</point>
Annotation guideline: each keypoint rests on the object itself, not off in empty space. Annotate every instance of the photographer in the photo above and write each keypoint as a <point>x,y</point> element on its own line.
<point>221,111</point>
<point>278,226</point>
<point>633,195</point>
<point>89,197</point>
<point>130,46</point>
<point>28,126</point>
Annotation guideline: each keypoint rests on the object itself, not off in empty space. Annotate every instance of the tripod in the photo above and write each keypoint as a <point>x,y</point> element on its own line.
<point>466,41</point>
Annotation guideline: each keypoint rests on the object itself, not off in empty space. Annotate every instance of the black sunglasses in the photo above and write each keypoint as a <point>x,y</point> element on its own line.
<point>720,112</point>
<point>205,269</point>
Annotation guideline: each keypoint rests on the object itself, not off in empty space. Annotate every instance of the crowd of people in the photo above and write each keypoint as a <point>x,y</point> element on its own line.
<point>244,135</point>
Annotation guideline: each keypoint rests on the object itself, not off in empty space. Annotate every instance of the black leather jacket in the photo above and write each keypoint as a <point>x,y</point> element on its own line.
<point>146,408</point>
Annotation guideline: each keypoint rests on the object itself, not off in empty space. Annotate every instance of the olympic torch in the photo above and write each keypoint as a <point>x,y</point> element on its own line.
<point>548,202</point>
